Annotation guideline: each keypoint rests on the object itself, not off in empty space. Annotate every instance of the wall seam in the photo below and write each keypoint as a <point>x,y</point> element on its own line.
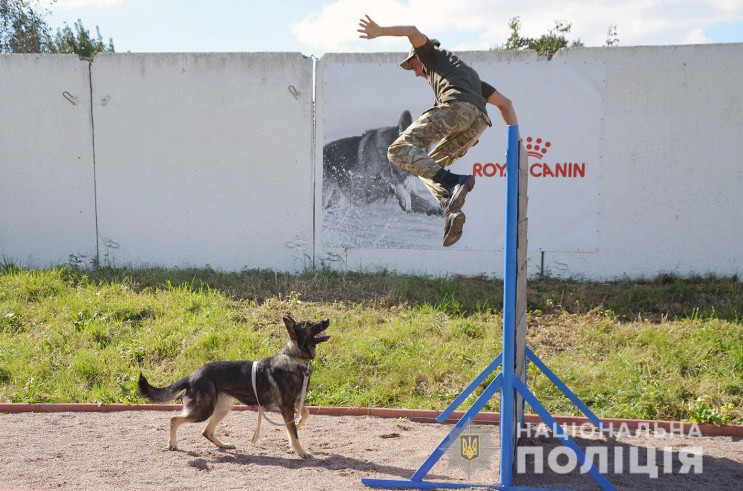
<point>314,163</point>
<point>97,260</point>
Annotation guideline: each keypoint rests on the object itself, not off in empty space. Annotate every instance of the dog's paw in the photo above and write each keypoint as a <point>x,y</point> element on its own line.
<point>172,447</point>
<point>227,446</point>
<point>302,453</point>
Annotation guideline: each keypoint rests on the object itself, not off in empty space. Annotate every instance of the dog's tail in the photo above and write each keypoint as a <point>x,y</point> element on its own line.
<point>165,394</point>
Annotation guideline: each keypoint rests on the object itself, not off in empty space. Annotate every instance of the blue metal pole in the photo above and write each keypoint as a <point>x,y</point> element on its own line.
<point>509,306</point>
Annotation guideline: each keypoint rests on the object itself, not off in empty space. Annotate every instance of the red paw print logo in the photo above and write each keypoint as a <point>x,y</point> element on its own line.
<point>536,147</point>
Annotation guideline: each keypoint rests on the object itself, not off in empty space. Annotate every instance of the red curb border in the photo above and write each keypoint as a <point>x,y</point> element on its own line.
<point>418,415</point>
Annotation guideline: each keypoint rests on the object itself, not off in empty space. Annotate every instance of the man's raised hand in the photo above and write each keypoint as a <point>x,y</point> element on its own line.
<point>369,28</point>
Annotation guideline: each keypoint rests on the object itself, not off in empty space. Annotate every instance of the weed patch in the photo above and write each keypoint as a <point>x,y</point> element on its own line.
<point>671,348</point>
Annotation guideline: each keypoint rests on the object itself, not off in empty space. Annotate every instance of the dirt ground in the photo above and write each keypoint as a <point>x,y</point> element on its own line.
<point>127,450</point>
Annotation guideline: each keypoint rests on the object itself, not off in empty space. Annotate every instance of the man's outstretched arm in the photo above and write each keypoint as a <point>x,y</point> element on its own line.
<point>370,30</point>
<point>505,106</point>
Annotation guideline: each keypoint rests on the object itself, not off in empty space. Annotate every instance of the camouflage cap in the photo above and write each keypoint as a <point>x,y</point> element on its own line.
<point>406,62</point>
<point>411,54</point>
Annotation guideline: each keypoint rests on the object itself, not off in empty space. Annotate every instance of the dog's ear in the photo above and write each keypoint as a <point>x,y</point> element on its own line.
<point>290,323</point>
<point>405,120</point>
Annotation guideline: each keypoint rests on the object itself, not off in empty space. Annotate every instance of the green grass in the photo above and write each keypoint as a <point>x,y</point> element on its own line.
<point>669,348</point>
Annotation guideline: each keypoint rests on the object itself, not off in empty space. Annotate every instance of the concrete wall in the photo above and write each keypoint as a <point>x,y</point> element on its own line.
<point>417,261</point>
<point>672,175</point>
<point>204,159</point>
<point>199,159</point>
<point>671,170</point>
<point>208,159</point>
<point>47,199</point>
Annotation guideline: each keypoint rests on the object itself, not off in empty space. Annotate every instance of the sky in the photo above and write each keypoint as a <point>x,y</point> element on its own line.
<point>315,27</point>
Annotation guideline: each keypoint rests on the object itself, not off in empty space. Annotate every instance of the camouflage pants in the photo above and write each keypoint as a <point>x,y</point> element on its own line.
<point>456,126</point>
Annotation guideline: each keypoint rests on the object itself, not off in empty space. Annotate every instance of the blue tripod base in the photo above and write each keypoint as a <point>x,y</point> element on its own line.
<point>507,430</point>
<point>392,484</point>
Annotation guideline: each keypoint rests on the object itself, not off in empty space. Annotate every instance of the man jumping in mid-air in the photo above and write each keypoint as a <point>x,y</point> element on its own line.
<point>456,121</point>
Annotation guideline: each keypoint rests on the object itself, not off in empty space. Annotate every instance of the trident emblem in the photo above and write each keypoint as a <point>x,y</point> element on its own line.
<point>470,449</point>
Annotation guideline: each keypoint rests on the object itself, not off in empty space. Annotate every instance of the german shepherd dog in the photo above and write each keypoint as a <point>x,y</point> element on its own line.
<point>208,393</point>
<point>357,169</point>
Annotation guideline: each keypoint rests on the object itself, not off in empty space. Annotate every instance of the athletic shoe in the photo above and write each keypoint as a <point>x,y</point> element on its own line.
<point>453,225</point>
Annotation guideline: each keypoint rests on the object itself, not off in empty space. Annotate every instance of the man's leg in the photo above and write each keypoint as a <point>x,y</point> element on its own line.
<point>452,148</point>
<point>409,151</point>
<point>457,126</point>
<point>446,153</point>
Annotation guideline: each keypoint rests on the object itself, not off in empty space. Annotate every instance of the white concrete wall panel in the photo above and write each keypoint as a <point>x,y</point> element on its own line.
<point>416,261</point>
<point>204,159</point>
<point>47,199</point>
<point>671,178</point>
<point>672,175</point>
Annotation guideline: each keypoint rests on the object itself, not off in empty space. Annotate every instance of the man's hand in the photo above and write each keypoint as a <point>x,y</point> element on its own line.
<point>369,28</point>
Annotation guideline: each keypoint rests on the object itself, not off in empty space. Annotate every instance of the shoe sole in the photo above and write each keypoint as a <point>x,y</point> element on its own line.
<point>455,230</point>
<point>456,202</point>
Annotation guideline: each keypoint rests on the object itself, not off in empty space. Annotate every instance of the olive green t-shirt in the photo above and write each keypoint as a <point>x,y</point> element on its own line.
<point>451,79</point>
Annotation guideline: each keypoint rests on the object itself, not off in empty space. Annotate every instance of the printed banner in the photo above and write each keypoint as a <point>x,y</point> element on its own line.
<point>370,203</point>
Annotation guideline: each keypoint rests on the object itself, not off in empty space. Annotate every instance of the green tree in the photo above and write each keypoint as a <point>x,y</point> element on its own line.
<point>550,43</point>
<point>547,44</point>
<point>611,36</point>
<point>23,29</point>
<point>80,42</point>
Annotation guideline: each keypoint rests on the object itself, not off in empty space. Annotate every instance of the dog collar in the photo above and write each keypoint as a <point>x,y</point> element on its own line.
<point>303,361</point>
